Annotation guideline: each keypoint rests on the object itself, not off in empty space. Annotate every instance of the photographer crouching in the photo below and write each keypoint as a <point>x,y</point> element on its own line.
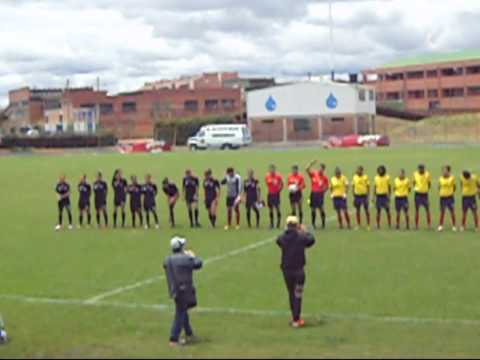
<point>293,243</point>
<point>179,269</point>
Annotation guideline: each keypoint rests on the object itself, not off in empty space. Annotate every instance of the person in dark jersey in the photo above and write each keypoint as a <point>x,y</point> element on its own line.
<point>190,192</point>
<point>84,194</point>
<point>119,185</point>
<point>135,193</point>
<point>149,191</point>
<point>100,190</point>
<point>63,193</point>
<point>251,190</point>
<point>211,187</point>
<point>293,243</point>
<point>171,191</point>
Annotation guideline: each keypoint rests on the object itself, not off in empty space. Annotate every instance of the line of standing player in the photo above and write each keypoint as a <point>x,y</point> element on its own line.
<point>143,197</point>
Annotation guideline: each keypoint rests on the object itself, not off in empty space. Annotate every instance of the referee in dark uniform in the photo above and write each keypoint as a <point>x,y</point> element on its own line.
<point>293,243</point>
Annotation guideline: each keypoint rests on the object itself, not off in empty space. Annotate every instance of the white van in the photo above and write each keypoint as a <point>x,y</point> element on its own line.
<point>220,137</point>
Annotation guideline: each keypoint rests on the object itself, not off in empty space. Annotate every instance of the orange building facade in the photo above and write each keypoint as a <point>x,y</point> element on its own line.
<point>437,87</point>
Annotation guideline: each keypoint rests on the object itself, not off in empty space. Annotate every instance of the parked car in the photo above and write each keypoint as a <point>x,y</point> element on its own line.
<point>359,141</point>
<point>220,137</point>
<point>29,131</point>
<point>143,146</point>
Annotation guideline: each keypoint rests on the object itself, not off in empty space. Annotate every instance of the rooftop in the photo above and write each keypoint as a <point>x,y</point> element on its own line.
<point>434,58</point>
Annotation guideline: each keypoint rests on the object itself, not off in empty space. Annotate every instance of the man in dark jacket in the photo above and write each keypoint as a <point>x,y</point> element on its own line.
<point>179,269</point>
<point>293,243</point>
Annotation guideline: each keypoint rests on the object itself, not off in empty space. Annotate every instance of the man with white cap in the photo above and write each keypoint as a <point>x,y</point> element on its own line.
<point>179,269</point>
<point>293,243</point>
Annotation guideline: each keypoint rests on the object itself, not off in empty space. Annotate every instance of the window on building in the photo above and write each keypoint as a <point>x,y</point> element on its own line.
<point>52,104</point>
<point>211,105</point>
<point>432,73</point>
<point>473,91</point>
<point>268,121</point>
<point>87,106</point>
<point>337,119</point>
<point>453,92</point>
<point>302,125</point>
<point>433,93</point>
<point>394,76</point>
<point>371,95</point>
<point>416,94</point>
<point>129,107</point>
<point>472,70</point>
<point>458,71</point>
<point>191,105</point>
<point>228,104</point>
<point>415,75</point>
<point>394,96</point>
<point>381,77</point>
<point>380,96</point>
<point>361,95</point>
<point>106,109</point>
<point>434,105</point>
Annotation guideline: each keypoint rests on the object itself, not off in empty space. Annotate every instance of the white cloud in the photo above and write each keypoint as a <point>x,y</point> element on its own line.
<point>44,42</point>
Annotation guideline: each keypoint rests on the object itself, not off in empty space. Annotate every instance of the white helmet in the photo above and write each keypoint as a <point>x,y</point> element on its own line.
<point>177,243</point>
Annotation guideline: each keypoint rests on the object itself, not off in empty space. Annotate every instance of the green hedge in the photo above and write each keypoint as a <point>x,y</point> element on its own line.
<point>181,129</point>
<point>59,141</point>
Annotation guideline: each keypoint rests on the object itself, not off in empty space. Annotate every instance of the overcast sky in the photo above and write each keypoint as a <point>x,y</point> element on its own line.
<point>127,42</point>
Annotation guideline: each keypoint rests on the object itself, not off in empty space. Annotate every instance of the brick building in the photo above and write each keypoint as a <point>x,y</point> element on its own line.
<point>133,115</point>
<point>127,115</point>
<point>214,80</point>
<point>428,84</point>
<point>310,111</point>
<point>27,107</point>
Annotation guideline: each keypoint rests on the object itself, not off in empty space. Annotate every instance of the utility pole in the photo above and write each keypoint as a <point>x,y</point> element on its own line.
<point>331,39</point>
<point>96,121</point>
<point>331,49</point>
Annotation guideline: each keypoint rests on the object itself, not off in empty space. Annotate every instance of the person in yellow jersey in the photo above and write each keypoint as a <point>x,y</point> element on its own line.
<point>401,188</point>
<point>361,192</point>
<point>339,189</point>
<point>422,183</point>
<point>447,188</point>
<point>383,190</point>
<point>470,189</point>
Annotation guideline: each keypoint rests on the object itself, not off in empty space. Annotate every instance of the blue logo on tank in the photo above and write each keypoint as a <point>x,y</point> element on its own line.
<point>332,101</point>
<point>271,104</point>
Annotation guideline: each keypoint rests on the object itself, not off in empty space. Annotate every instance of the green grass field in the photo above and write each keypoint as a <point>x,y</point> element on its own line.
<point>378,293</point>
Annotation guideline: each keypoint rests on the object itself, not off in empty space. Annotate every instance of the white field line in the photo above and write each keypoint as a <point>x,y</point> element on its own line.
<point>214,259</point>
<point>246,312</point>
<point>151,280</point>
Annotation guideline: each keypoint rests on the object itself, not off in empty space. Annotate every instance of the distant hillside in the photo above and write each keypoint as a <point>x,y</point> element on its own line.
<point>461,128</point>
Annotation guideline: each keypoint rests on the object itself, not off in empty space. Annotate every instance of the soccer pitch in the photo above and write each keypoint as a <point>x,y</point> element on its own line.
<point>102,292</point>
